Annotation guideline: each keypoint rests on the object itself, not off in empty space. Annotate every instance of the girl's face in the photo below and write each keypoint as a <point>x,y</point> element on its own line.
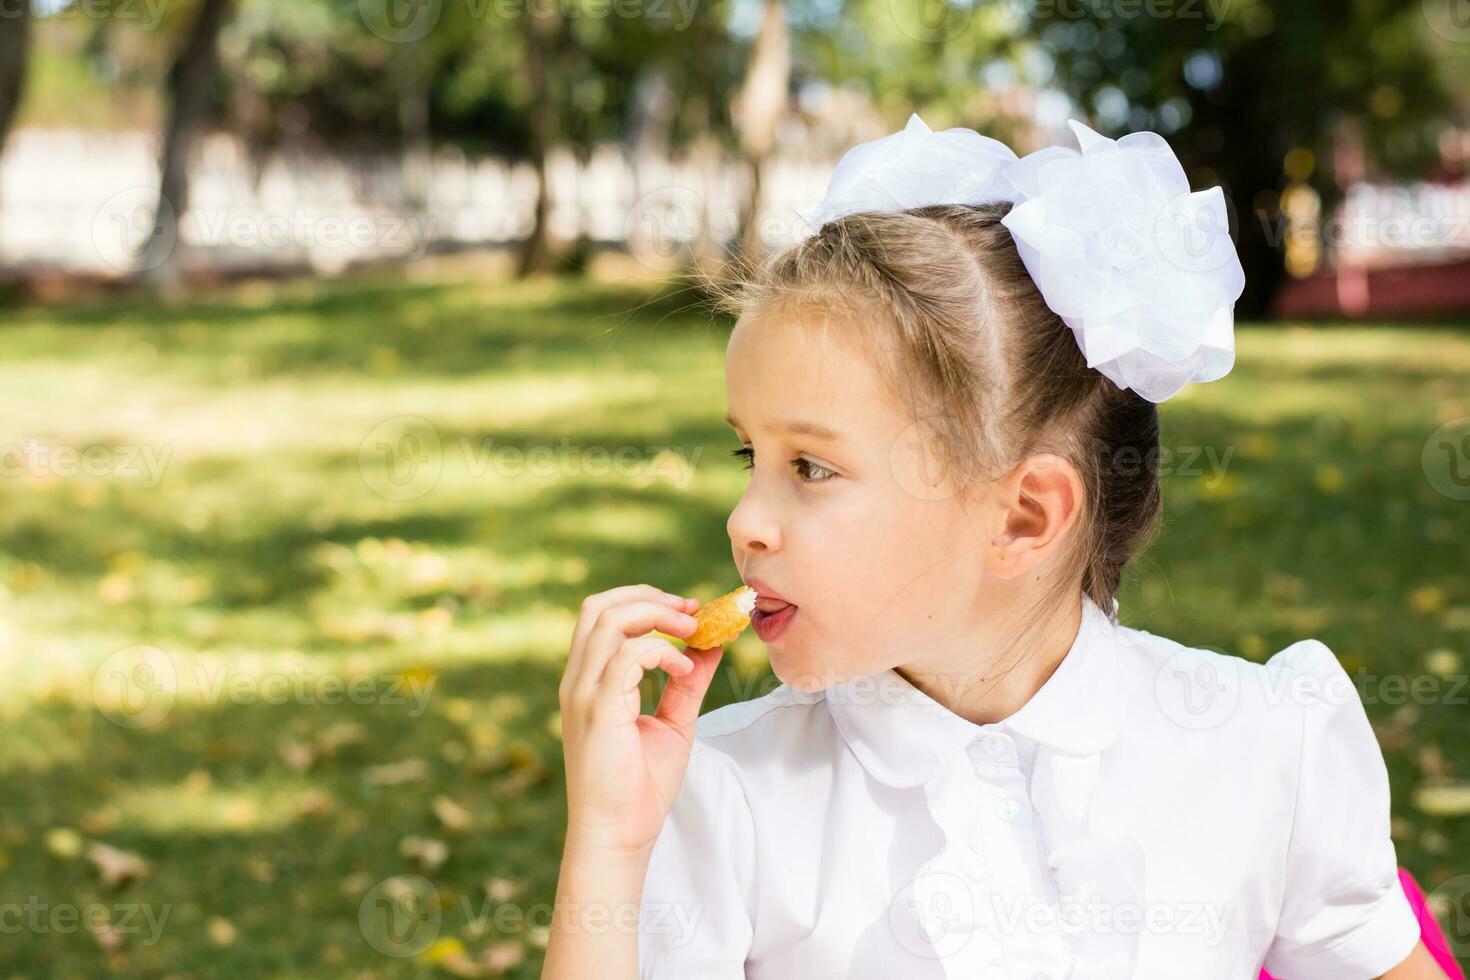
<point>841,516</point>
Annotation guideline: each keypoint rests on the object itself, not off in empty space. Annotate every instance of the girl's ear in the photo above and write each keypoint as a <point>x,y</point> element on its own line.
<point>1040,500</point>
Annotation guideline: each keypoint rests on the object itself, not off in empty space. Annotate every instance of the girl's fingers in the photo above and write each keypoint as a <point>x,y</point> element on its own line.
<point>619,684</point>
<point>595,605</point>
<point>613,626</point>
<point>679,704</point>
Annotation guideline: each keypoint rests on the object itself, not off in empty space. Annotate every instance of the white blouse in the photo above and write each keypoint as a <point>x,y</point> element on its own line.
<point>1153,811</point>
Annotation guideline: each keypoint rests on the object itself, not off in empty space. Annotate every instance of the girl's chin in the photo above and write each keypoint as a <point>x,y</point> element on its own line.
<point>804,677</point>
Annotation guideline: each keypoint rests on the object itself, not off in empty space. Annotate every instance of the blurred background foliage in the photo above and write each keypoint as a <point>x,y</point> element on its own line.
<point>314,475</point>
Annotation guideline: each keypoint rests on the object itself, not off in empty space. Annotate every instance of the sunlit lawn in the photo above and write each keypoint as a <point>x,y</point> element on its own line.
<point>351,668</point>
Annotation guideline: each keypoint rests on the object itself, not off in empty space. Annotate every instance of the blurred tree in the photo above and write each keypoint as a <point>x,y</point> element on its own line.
<point>758,109</point>
<point>516,78</point>
<point>15,44</point>
<point>543,35</point>
<point>188,88</point>
<point>1251,93</point>
<point>924,56</point>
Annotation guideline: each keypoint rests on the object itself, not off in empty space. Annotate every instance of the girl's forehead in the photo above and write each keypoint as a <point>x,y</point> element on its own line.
<point>806,365</point>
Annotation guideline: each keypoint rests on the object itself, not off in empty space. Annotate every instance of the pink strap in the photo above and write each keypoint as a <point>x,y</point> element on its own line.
<point>1429,930</point>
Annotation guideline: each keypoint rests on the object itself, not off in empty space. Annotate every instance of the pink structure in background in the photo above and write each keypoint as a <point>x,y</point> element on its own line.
<point>1429,930</point>
<point>1392,292</point>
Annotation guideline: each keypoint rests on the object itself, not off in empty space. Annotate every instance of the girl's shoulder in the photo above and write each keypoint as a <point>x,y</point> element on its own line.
<point>1258,730</point>
<point>761,732</point>
<point>1201,689</point>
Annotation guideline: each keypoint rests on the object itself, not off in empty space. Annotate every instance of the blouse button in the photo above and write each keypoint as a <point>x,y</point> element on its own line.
<point>1008,809</point>
<point>993,747</point>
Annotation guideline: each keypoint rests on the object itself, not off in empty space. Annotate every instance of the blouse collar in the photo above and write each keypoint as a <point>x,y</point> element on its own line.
<point>903,737</point>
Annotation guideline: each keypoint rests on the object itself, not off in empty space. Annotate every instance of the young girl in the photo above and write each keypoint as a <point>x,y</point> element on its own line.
<point>947,396</point>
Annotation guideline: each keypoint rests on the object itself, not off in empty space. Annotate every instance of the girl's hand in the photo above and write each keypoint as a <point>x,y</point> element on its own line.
<point>624,769</point>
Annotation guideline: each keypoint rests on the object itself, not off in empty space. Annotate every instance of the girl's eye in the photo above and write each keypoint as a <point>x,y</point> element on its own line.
<point>809,472</point>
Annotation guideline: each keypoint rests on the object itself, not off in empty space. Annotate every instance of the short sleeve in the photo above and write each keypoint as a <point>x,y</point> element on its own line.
<point>1344,914</point>
<point>695,919</point>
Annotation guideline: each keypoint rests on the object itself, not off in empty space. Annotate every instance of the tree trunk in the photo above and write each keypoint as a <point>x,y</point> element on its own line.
<point>757,110</point>
<point>535,256</point>
<point>15,49</point>
<point>413,126</point>
<point>188,100</point>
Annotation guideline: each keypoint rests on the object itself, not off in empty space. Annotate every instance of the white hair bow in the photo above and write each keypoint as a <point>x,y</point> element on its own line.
<point>1143,271</point>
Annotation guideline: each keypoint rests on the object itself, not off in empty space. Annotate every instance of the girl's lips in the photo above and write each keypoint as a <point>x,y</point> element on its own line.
<point>770,624</point>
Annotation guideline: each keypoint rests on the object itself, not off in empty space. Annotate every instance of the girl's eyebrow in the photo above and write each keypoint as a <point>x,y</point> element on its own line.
<point>799,427</point>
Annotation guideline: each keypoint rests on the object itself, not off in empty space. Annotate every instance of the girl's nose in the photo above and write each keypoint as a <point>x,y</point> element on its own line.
<point>750,525</point>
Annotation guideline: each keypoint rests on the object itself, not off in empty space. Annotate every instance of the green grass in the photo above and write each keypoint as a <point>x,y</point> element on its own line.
<point>259,548</point>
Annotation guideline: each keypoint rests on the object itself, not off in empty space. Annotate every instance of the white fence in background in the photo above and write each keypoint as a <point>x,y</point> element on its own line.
<point>1393,224</point>
<point>84,200</point>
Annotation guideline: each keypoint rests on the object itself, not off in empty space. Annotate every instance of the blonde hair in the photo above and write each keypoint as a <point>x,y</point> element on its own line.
<point>970,347</point>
